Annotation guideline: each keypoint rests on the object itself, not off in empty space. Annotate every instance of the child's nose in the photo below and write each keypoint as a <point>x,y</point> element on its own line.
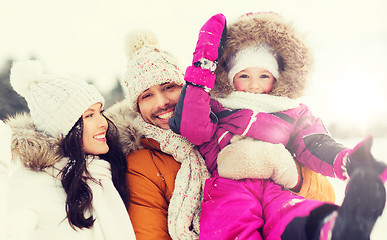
<point>255,84</point>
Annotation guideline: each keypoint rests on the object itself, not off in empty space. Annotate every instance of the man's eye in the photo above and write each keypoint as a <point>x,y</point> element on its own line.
<point>167,87</point>
<point>146,95</point>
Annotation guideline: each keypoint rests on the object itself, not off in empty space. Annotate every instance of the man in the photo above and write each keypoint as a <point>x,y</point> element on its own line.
<point>166,173</point>
<point>167,162</point>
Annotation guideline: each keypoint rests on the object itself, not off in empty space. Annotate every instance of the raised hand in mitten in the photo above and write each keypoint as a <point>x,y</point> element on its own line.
<point>208,51</point>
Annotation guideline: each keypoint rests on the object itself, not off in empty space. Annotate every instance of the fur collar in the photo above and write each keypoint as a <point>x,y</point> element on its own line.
<point>35,149</point>
<point>258,102</point>
<point>129,134</point>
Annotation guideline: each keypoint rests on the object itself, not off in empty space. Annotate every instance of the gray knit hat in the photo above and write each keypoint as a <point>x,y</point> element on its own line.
<point>147,65</point>
<point>55,103</point>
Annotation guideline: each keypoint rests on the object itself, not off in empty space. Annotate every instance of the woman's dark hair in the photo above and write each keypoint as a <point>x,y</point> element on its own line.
<point>75,174</point>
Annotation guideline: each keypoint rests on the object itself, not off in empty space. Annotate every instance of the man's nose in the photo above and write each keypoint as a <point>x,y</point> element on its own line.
<point>162,100</point>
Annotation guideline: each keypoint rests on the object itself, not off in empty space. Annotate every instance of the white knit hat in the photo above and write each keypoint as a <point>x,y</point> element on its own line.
<point>55,103</point>
<point>147,65</point>
<point>253,56</point>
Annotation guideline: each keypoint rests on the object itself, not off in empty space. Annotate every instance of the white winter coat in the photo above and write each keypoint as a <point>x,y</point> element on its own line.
<point>36,198</point>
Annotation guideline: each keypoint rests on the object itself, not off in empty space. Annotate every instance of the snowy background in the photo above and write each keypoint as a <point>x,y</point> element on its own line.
<point>84,39</point>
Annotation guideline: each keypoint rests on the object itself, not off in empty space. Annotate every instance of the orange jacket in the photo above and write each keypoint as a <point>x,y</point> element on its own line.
<point>316,186</point>
<point>151,179</point>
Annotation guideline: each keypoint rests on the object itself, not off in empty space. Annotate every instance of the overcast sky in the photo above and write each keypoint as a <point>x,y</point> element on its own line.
<point>84,39</point>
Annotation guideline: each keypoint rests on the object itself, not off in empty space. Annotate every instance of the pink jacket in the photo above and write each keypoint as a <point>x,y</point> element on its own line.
<point>207,124</point>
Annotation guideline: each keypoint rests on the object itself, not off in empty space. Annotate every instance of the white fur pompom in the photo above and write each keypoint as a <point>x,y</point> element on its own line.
<point>136,39</point>
<point>24,73</point>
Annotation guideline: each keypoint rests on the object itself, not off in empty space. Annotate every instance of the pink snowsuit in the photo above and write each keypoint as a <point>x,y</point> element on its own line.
<point>252,208</point>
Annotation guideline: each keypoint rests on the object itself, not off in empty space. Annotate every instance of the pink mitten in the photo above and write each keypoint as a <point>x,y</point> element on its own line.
<point>209,49</point>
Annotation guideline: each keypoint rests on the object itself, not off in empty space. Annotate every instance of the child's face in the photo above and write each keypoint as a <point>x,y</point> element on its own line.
<point>254,80</point>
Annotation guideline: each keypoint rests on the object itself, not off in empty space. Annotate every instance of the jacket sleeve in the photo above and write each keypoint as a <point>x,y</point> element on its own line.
<point>150,194</point>
<point>5,149</point>
<point>21,224</point>
<point>22,218</point>
<point>197,118</point>
<point>312,145</point>
<point>5,159</point>
<point>193,118</point>
<point>302,133</point>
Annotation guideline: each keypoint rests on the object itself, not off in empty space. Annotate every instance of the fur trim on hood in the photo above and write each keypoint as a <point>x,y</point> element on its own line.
<point>35,149</point>
<point>129,135</point>
<point>271,30</point>
<point>38,150</point>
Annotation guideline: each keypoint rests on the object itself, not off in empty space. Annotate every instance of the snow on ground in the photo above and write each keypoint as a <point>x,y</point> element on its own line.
<point>379,150</point>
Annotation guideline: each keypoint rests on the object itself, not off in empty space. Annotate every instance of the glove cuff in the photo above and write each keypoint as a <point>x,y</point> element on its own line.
<point>206,64</point>
<point>200,76</point>
<point>339,165</point>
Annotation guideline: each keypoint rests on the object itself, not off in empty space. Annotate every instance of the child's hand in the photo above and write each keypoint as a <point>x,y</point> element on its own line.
<point>209,49</point>
<point>211,39</point>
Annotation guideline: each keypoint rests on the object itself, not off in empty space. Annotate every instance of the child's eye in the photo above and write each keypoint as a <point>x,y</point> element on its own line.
<point>243,76</point>
<point>264,76</point>
<point>89,115</point>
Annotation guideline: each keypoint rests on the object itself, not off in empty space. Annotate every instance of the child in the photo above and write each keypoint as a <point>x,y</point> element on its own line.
<point>266,63</point>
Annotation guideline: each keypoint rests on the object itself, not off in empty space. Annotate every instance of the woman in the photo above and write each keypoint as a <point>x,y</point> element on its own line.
<point>67,179</point>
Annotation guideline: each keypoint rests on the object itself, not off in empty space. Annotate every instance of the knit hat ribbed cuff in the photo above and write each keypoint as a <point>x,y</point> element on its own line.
<point>254,56</point>
<point>147,66</point>
<point>64,112</point>
<point>55,103</point>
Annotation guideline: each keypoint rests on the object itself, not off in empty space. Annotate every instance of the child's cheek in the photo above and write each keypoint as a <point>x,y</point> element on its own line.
<point>267,87</point>
<point>239,86</point>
